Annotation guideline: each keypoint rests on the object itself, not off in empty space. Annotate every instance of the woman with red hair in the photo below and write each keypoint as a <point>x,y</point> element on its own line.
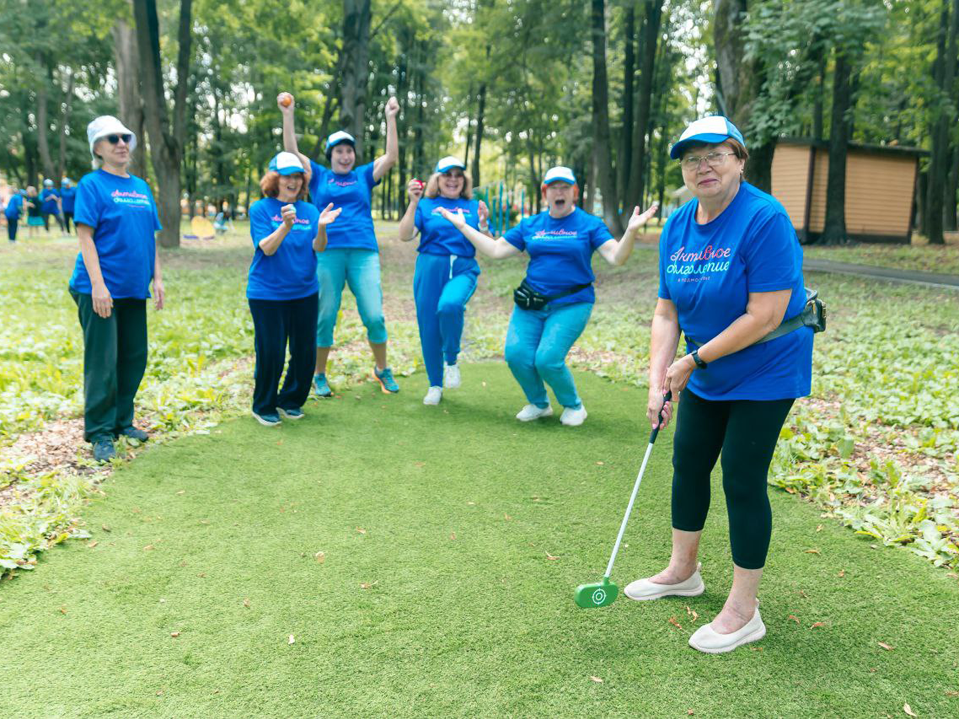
<point>555,300</point>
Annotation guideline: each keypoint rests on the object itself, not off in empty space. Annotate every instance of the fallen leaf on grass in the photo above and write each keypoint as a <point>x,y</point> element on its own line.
<point>672,620</point>
<point>600,463</point>
<point>817,624</point>
<point>63,609</point>
<point>148,548</point>
<point>246,603</point>
<point>819,528</point>
<point>813,551</point>
<point>507,518</point>
<point>367,585</point>
<point>692,613</point>
<point>689,712</point>
<point>320,557</point>
<point>596,679</point>
<point>842,572</point>
<point>361,530</point>
<point>174,634</point>
<point>952,694</point>
<point>291,640</point>
<point>887,647</point>
<point>908,709</point>
<point>92,544</point>
<point>452,536</point>
<point>182,491</point>
<point>550,557</point>
<point>105,528</point>
<point>794,618</point>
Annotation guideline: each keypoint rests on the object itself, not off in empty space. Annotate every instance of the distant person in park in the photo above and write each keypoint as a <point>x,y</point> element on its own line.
<point>446,268</point>
<point>68,195</point>
<point>32,204</point>
<point>13,212</point>
<point>116,218</point>
<point>50,205</point>
<point>730,270</point>
<point>282,288</point>
<point>555,301</point>
<point>352,255</point>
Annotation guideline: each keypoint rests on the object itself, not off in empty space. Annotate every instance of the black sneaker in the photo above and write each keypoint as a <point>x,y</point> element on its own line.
<point>103,450</point>
<point>132,432</point>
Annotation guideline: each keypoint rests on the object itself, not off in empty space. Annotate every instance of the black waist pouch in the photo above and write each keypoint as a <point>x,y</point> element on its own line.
<point>527,298</point>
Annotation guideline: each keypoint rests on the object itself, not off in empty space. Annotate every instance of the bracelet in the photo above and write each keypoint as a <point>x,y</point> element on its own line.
<point>696,358</point>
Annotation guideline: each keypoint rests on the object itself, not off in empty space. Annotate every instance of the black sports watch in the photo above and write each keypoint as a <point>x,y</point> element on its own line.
<point>699,363</point>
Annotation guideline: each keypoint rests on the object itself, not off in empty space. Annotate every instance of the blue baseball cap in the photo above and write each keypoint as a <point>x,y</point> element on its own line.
<point>338,138</point>
<point>710,130</point>
<point>286,163</point>
<point>448,163</point>
<point>559,174</point>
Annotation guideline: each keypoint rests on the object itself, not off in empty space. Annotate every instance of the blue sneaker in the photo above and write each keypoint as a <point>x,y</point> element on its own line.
<point>267,419</point>
<point>290,413</point>
<point>385,378</point>
<point>321,388</point>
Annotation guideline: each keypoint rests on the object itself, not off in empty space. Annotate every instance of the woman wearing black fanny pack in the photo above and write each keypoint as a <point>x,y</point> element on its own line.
<point>730,272</point>
<point>555,301</point>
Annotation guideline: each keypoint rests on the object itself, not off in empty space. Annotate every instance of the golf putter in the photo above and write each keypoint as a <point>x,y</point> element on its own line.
<point>604,593</point>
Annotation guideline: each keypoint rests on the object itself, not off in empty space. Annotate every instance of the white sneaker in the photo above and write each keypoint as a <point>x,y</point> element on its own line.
<point>643,589</point>
<point>433,396</point>
<point>573,417</point>
<point>451,376</point>
<point>707,640</point>
<point>531,412</point>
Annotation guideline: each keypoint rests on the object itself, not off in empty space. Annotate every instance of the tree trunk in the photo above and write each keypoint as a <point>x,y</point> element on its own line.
<point>480,118</point>
<point>43,122</point>
<point>355,68</point>
<point>629,72</point>
<point>952,187</point>
<point>834,232</point>
<point>166,147</point>
<point>469,124</point>
<point>605,171</point>
<point>634,193</point>
<point>939,157</point>
<point>817,112</point>
<point>64,124</point>
<point>128,86</point>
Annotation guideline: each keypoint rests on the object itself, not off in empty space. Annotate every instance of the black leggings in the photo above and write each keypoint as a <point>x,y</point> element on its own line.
<point>67,216</point>
<point>745,431</point>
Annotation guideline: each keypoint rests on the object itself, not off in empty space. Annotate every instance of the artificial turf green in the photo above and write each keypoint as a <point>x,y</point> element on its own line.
<point>453,538</point>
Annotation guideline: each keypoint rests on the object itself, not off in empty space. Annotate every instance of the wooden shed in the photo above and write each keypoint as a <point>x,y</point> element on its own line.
<point>880,188</point>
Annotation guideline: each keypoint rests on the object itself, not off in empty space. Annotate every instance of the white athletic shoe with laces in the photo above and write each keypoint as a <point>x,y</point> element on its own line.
<point>433,396</point>
<point>573,417</point>
<point>531,412</point>
<point>451,376</point>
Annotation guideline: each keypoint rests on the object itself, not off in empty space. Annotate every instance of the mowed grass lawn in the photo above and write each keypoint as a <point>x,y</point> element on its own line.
<point>381,558</point>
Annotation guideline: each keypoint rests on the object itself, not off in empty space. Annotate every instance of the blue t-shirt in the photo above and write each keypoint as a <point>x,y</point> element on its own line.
<point>353,192</point>
<point>708,271</point>
<point>67,197</point>
<point>290,272</point>
<point>49,205</point>
<point>560,252</point>
<point>14,207</point>
<point>438,236</point>
<point>123,215</point>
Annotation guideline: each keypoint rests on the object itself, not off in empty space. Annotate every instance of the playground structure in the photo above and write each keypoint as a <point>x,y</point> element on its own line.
<point>502,203</point>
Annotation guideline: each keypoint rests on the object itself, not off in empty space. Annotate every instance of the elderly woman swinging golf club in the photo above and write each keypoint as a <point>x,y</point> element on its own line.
<point>730,270</point>
<point>555,301</point>
<point>116,219</point>
<point>446,268</point>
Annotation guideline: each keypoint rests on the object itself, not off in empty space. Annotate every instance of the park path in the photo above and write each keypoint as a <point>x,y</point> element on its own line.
<point>932,279</point>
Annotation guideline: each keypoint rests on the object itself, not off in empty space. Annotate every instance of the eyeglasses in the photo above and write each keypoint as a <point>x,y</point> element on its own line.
<point>713,159</point>
<point>114,139</point>
<point>455,174</point>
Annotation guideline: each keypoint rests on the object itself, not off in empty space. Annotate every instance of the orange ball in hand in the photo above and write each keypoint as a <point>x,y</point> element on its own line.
<point>286,99</point>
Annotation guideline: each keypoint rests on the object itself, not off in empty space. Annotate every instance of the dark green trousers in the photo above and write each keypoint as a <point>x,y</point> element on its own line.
<point>114,360</point>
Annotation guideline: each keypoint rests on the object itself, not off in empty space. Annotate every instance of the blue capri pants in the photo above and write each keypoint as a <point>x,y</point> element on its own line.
<point>361,270</point>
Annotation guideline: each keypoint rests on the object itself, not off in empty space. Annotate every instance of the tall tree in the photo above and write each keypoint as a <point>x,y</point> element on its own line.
<point>834,232</point>
<point>605,171</point>
<point>647,69</point>
<point>130,100</point>
<point>166,147</point>
<point>943,113</point>
<point>629,71</point>
<point>355,68</point>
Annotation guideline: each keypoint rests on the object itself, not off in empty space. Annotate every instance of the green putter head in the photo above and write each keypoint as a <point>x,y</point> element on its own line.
<point>597,594</point>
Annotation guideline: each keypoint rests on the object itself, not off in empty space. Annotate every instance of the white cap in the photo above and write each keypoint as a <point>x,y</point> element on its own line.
<point>338,138</point>
<point>559,174</point>
<point>48,182</point>
<point>286,163</point>
<point>105,125</point>
<point>448,163</point>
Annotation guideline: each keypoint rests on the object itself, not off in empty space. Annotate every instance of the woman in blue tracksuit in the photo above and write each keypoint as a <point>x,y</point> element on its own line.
<point>352,255</point>
<point>446,269</point>
<point>560,243</point>
<point>68,194</point>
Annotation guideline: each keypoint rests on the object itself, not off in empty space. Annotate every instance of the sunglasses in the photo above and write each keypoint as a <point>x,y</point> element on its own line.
<point>114,139</point>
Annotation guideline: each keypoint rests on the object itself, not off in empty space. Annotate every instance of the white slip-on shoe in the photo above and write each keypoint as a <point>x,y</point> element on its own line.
<point>433,395</point>
<point>707,640</point>
<point>451,376</point>
<point>531,412</point>
<point>573,417</point>
<point>643,589</point>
